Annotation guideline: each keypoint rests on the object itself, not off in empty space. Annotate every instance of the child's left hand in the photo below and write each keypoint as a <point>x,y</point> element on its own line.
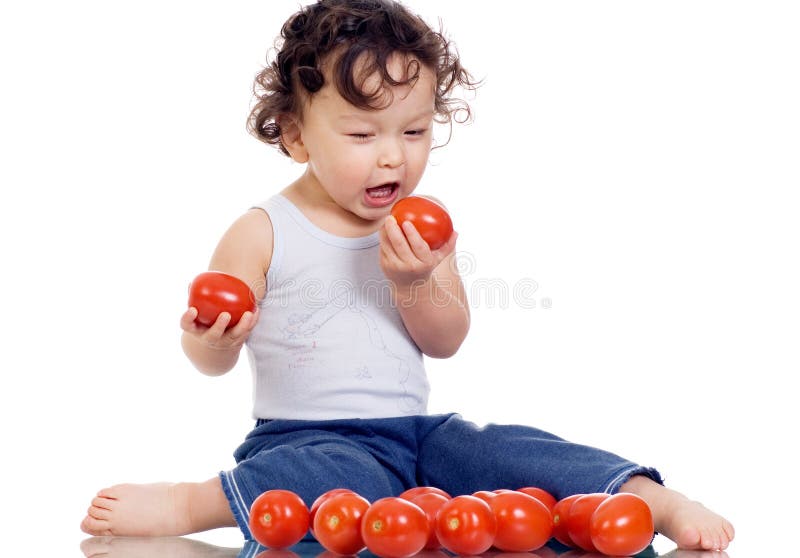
<point>406,259</point>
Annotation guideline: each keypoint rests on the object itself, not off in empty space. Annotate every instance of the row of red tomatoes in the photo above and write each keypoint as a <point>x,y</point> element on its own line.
<point>428,518</point>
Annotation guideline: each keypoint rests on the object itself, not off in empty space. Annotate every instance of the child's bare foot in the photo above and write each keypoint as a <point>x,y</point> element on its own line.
<point>165,547</point>
<point>160,509</point>
<point>689,524</point>
<point>693,526</point>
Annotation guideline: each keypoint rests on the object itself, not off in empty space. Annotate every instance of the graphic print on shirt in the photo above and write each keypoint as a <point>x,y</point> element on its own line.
<point>304,326</point>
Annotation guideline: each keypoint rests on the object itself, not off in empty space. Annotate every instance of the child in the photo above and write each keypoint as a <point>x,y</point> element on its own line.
<point>349,301</point>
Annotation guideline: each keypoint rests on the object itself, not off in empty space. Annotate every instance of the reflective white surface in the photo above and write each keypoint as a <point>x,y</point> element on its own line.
<point>182,547</point>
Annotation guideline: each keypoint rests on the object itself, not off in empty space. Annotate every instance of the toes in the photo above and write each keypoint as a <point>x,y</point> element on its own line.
<point>110,493</point>
<point>99,513</point>
<point>689,538</point>
<point>711,539</point>
<point>102,503</point>
<point>97,527</point>
<point>729,530</point>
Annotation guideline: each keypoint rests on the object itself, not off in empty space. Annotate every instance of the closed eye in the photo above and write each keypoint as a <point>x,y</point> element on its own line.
<point>418,132</point>
<point>360,138</point>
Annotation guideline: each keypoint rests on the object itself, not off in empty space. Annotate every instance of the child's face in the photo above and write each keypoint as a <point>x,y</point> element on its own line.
<point>365,160</point>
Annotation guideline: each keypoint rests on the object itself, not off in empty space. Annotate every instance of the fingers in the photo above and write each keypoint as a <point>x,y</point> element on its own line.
<point>405,241</point>
<point>243,326</point>
<point>220,334</point>
<point>187,320</point>
<point>448,247</point>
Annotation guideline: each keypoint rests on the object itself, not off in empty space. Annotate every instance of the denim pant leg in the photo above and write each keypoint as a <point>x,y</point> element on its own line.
<point>462,458</point>
<point>305,458</point>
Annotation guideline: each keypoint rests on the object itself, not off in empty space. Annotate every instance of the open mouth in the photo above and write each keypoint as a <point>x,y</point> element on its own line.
<point>380,196</point>
<point>382,191</point>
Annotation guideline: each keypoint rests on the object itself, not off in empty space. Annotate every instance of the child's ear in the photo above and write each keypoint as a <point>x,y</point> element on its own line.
<point>292,138</point>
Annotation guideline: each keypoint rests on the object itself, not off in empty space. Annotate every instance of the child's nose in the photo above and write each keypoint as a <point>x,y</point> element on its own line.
<point>392,154</point>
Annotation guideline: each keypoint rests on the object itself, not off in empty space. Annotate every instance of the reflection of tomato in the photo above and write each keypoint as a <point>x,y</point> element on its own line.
<point>578,521</point>
<point>466,525</point>
<point>214,292</point>
<point>540,494</point>
<point>278,518</point>
<point>337,523</point>
<point>277,553</point>
<point>560,517</point>
<point>394,528</point>
<point>412,493</point>
<point>523,522</point>
<point>622,525</point>
<point>431,503</point>
<point>429,218</point>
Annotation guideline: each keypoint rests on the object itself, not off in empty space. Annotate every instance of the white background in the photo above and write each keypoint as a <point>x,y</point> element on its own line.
<point>637,160</point>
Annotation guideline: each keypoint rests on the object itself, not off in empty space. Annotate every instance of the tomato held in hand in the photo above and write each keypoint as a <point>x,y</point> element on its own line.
<point>578,520</point>
<point>278,518</point>
<point>394,528</point>
<point>523,522</point>
<point>214,292</point>
<point>622,525</point>
<point>428,217</point>
<point>337,522</point>
<point>466,525</point>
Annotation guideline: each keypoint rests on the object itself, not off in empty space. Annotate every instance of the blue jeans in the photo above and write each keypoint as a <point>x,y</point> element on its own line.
<point>383,457</point>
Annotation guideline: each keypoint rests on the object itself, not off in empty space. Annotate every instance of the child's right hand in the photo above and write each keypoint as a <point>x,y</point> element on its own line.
<point>216,336</point>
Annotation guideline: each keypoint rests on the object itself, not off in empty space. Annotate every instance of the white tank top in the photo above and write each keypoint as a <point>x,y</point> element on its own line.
<point>329,343</point>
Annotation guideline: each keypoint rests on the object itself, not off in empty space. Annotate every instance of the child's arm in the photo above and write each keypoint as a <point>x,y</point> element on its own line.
<point>244,251</point>
<point>429,293</point>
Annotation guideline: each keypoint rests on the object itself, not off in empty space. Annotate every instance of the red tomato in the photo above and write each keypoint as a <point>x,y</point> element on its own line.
<point>278,518</point>
<point>412,493</point>
<point>466,525</point>
<point>560,519</point>
<point>428,217</point>
<point>540,494</point>
<point>622,525</point>
<point>337,523</point>
<point>431,503</point>
<point>214,292</point>
<point>318,502</point>
<point>394,528</point>
<point>485,495</point>
<point>523,522</point>
<point>578,521</point>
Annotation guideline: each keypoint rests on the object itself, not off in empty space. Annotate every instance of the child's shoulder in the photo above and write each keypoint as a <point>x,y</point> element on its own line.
<point>245,250</point>
<point>253,226</point>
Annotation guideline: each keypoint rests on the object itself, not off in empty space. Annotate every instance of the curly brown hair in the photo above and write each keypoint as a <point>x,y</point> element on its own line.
<point>354,30</point>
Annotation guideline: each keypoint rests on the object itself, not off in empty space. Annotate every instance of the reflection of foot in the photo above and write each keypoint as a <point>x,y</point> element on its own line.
<point>148,547</point>
<point>681,553</point>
